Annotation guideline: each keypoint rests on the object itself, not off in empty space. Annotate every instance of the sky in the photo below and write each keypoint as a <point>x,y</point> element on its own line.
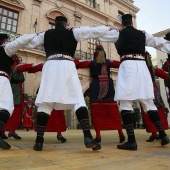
<point>153,17</point>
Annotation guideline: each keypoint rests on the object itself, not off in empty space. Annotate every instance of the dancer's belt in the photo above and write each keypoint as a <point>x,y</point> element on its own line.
<point>60,57</point>
<point>132,57</point>
<point>3,73</point>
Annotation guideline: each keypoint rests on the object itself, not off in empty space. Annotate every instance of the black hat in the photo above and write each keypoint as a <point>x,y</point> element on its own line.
<point>126,17</point>
<point>167,36</point>
<point>60,18</point>
<point>3,36</point>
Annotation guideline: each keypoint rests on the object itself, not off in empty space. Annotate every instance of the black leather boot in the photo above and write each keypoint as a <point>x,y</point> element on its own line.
<point>42,119</point>
<point>4,136</point>
<point>122,138</point>
<point>128,146</point>
<point>91,143</point>
<point>38,146</point>
<point>152,138</point>
<point>98,139</point>
<point>14,135</point>
<point>164,140</point>
<point>61,138</point>
<point>3,144</point>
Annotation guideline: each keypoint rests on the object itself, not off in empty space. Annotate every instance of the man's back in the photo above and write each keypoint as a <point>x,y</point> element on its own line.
<point>130,40</point>
<point>59,41</point>
<point>5,61</point>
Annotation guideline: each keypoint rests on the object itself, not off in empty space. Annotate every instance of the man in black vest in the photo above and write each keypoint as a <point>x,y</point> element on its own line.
<point>133,75</point>
<point>60,87</point>
<point>7,49</point>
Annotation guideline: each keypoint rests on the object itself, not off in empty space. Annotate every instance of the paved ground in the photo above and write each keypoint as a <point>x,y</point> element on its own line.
<point>73,155</point>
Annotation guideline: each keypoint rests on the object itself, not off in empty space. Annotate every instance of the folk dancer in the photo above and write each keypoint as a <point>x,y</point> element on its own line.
<point>133,75</point>
<point>104,110</point>
<point>7,49</point>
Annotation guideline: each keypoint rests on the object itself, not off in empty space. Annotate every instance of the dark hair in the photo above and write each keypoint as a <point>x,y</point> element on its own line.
<point>1,42</point>
<point>127,22</point>
<point>60,23</point>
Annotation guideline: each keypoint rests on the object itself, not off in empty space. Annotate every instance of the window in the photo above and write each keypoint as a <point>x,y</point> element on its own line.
<point>8,20</point>
<point>51,26</point>
<point>92,43</point>
<point>93,4</point>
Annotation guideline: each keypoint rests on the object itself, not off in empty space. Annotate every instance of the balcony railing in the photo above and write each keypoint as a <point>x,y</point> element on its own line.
<point>92,3</point>
<point>83,55</point>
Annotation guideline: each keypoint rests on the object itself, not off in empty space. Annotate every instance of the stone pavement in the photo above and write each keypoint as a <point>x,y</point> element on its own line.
<point>73,155</point>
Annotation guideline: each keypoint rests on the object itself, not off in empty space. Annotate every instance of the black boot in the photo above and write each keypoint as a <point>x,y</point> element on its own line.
<point>42,119</point>
<point>152,138</point>
<point>14,135</point>
<point>164,140</point>
<point>3,136</point>
<point>127,118</point>
<point>128,146</point>
<point>154,116</point>
<point>98,139</point>
<point>4,116</point>
<point>121,138</point>
<point>61,138</point>
<point>38,146</point>
<point>3,144</point>
<point>91,143</point>
<point>82,116</point>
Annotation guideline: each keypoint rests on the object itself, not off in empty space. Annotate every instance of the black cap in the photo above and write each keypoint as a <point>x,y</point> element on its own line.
<point>126,17</point>
<point>167,36</point>
<point>3,36</point>
<point>60,18</point>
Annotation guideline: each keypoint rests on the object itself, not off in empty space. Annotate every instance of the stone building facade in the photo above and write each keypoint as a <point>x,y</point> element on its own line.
<point>19,17</point>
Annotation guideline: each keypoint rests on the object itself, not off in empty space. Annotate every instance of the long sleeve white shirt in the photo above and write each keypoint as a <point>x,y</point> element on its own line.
<point>12,47</point>
<point>80,34</point>
<point>151,41</point>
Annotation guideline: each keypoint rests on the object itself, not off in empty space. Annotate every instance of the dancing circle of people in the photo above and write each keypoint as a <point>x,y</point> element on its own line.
<point>110,107</point>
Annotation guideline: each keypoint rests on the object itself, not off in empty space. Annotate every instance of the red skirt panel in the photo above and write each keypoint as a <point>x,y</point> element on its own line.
<point>106,116</point>
<point>150,127</point>
<point>56,122</point>
<point>15,119</point>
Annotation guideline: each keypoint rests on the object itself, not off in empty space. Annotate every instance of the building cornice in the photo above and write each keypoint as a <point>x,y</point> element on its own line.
<point>34,52</point>
<point>128,4</point>
<point>13,4</point>
<point>100,13</point>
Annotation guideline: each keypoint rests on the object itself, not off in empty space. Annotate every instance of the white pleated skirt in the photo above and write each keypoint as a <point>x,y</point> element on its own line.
<point>60,85</point>
<point>6,95</point>
<point>134,81</point>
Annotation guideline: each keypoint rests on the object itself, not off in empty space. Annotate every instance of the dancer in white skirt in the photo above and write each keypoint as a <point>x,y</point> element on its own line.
<point>60,86</point>
<point>134,80</point>
<point>7,49</point>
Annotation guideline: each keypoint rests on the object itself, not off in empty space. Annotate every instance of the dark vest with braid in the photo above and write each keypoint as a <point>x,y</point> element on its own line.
<point>95,70</point>
<point>59,41</point>
<point>5,61</point>
<point>130,41</point>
